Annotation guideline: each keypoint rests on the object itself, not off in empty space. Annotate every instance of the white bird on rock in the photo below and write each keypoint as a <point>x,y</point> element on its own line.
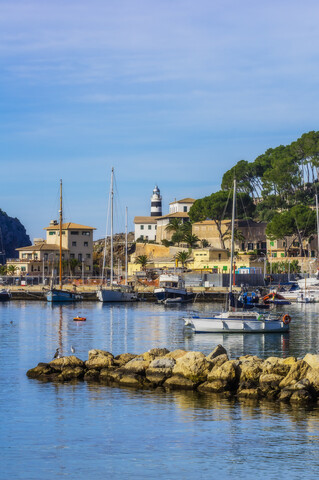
<point>72,349</point>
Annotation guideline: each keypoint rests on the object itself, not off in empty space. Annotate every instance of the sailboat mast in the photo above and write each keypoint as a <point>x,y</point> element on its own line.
<point>125,245</point>
<point>112,196</point>
<point>232,239</point>
<point>60,212</point>
<point>317,214</point>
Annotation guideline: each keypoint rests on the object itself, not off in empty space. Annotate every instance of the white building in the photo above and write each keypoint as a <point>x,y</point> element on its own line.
<point>181,206</point>
<point>145,228</point>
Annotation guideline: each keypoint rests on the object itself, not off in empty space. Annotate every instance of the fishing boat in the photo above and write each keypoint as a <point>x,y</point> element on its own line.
<point>59,294</point>
<point>172,290</point>
<point>234,321</point>
<point>275,299</point>
<point>116,293</point>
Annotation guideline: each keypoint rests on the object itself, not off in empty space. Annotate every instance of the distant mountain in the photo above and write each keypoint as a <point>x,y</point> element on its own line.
<point>12,235</point>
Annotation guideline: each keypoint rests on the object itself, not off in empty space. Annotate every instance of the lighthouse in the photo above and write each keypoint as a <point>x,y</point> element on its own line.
<point>156,203</point>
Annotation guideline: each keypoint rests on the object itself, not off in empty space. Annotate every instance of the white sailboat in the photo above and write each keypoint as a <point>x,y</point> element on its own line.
<point>233,321</point>
<point>116,293</point>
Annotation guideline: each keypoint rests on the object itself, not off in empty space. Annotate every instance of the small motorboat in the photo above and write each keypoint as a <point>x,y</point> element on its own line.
<point>275,299</point>
<point>79,319</point>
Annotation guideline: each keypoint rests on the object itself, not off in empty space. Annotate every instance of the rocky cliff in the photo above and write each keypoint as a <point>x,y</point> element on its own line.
<point>12,235</point>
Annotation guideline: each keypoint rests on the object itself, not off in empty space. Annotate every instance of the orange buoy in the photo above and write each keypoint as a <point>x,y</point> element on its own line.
<point>286,319</point>
<point>79,319</point>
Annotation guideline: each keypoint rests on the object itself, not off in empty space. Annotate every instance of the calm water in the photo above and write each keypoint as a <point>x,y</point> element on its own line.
<point>87,431</point>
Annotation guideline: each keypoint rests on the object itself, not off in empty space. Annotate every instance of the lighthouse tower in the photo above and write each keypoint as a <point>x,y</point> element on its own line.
<point>156,203</point>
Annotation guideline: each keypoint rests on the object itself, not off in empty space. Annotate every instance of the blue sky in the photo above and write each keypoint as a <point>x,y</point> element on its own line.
<point>169,92</point>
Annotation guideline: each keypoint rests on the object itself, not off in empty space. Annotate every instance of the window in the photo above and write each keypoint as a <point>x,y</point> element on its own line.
<point>72,255</point>
<point>80,257</point>
<point>155,227</point>
<point>274,254</point>
<point>250,246</point>
<point>73,244</point>
<point>185,209</point>
<point>86,244</point>
<point>219,256</point>
<point>23,269</point>
<point>35,256</point>
<point>74,232</point>
<point>51,233</point>
<point>86,233</point>
<point>149,227</point>
<point>45,257</point>
<point>272,244</point>
<point>88,255</point>
<point>142,227</point>
<point>243,246</point>
<point>29,256</point>
<point>24,255</point>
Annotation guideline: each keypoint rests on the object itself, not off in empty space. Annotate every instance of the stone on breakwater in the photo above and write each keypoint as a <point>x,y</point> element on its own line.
<point>123,358</point>
<point>179,383</point>
<point>192,366</point>
<point>159,370</point>
<point>312,360</point>
<point>298,370</point>
<point>227,373</point>
<point>219,350</point>
<point>66,362</point>
<point>175,354</point>
<point>99,359</point>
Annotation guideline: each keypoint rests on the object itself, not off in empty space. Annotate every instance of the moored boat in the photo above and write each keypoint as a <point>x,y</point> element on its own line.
<point>172,288</point>
<point>5,295</point>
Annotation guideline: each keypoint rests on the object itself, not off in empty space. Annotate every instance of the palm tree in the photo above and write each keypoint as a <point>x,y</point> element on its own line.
<point>191,240</point>
<point>178,237</point>
<point>174,225</point>
<point>73,264</point>
<point>183,256</point>
<point>204,243</point>
<point>186,227</point>
<point>142,260</point>
<point>3,269</point>
<point>11,269</point>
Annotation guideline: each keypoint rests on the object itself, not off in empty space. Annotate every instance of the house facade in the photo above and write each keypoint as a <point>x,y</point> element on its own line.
<point>43,257</point>
<point>179,206</point>
<point>145,228</point>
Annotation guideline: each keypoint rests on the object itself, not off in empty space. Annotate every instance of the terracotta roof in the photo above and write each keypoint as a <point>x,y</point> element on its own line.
<point>69,226</point>
<point>41,246</point>
<point>174,215</point>
<point>184,200</point>
<point>145,219</point>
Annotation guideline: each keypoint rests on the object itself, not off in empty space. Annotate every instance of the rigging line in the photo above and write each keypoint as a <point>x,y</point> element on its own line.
<point>246,218</point>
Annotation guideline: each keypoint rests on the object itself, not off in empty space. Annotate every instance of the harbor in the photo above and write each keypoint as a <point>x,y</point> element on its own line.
<point>34,330</point>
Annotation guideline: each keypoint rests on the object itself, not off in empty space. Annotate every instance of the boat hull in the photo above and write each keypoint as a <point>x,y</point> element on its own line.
<point>164,293</point>
<point>62,296</point>
<point>115,296</point>
<point>5,296</point>
<point>218,325</point>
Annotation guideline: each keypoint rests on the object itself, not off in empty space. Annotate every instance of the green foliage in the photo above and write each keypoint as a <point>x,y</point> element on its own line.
<point>283,267</point>
<point>204,243</point>
<point>191,240</point>
<point>167,243</point>
<point>178,237</point>
<point>183,257</point>
<point>74,263</point>
<point>3,269</point>
<point>142,260</point>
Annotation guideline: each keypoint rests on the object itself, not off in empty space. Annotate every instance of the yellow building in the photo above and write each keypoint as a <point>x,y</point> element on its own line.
<point>251,235</point>
<point>40,258</point>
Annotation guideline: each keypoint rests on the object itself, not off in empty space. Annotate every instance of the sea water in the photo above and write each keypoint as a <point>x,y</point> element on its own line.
<point>90,431</point>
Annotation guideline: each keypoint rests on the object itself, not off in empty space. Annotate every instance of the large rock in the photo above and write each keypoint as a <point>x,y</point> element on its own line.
<point>131,380</point>
<point>155,353</point>
<point>123,358</point>
<point>177,382</point>
<point>227,373</point>
<point>66,362</point>
<point>92,375</point>
<point>298,370</point>
<point>252,393</point>
<point>175,354</point>
<point>276,366</point>
<point>138,365</point>
<point>301,397</point>
<point>219,350</point>
<point>313,378</point>
<point>216,386</point>
<point>68,374</point>
<point>312,360</point>
<point>269,384</point>
<point>250,369</point>
<point>159,370</point>
<point>41,370</point>
<point>99,359</point>
<point>193,366</point>
<point>217,361</point>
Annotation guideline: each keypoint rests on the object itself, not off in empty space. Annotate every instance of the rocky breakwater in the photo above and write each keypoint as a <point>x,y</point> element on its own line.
<point>285,380</point>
